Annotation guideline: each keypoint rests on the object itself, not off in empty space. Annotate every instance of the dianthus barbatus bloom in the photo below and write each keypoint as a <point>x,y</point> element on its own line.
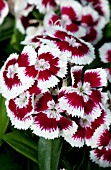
<point>46,65</point>
<point>52,19</point>
<point>84,93</point>
<point>11,84</point>
<point>105,56</point>
<point>101,6</point>
<point>20,110</point>
<point>89,130</point>
<point>102,154</point>
<point>50,121</point>
<point>78,51</point>
<point>4,9</point>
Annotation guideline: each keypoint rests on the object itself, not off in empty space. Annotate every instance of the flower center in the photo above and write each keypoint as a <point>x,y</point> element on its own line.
<point>11,71</point>
<point>53,110</point>
<point>22,100</point>
<point>72,42</point>
<point>42,65</point>
<point>84,123</point>
<point>84,90</point>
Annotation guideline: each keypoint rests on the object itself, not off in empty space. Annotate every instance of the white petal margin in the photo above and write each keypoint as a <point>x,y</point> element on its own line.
<point>4,11</point>
<point>74,142</point>
<point>100,161</point>
<point>16,88</point>
<point>51,82</point>
<point>47,134</point>
<point>103,52</point>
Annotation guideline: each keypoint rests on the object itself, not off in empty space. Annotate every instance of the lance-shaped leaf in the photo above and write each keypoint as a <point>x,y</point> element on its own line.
<point>4,120</point>
<point>23,144</point>
<point>49,153</point>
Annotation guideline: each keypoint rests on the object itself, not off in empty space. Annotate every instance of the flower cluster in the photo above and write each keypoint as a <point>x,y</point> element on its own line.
<point>47,86</point>
<point>85,19</point>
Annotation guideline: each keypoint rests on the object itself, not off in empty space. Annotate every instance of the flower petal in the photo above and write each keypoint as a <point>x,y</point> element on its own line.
<point>28,57</point>
<point>45,126</point>
<point>105,53</point>
<point>96,77</point>
<point>101,156</point>
<point>68,10</point>
<point>4,9</point>
<point>19,110</point>
<point>72,102</point>
<point>76,73</point>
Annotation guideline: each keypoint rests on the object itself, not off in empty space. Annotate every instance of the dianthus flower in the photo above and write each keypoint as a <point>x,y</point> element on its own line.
<point>102,154</point>
<point>83,93</point>
<point>50,121</point>
<point>76,50</point>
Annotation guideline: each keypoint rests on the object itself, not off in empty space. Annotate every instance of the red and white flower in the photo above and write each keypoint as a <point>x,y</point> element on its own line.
<point>89,130</point>
<point>79,52</point>
<point>102,154</point>
<point>101,6</point>
<point>52,19</point>
<point>20,110</point>
<point>80,95</point>
<point>11,85</point>
<point>46,66</point>
<point>48,121</point>
<point>105,56</point>
<point>4,9</point>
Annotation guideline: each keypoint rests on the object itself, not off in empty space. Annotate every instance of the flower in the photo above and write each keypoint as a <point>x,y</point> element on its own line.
<point>46,66</point>
<point>50,121</point>
<point>89,131</point>
<point>20,110</point>
<point>81,94</point>
<point>102,154</point>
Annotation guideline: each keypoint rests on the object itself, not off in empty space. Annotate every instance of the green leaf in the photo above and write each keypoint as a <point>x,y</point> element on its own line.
<point>23,144</point>
<point>88,166</point>
<point>10,159</point>
<point>4,120</point>
<point>107,31</point>
<point>6,29</point>
<point>16,39</point>
<point>49,153</point>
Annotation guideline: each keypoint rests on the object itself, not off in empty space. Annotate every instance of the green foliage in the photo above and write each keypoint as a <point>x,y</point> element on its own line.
<point>4,120</point>
<point>23,144</point>
<point>6,29</point>
<point>49,153</point>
